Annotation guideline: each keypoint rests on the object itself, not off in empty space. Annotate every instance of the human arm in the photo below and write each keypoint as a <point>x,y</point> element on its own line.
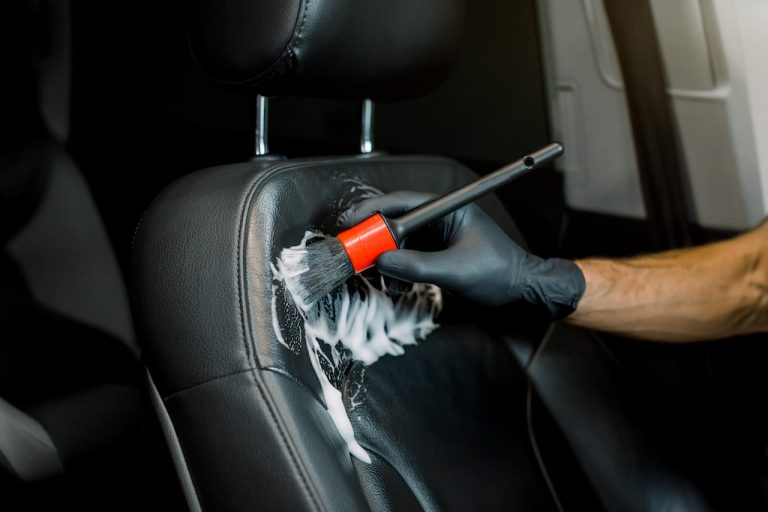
<point>708,292</point>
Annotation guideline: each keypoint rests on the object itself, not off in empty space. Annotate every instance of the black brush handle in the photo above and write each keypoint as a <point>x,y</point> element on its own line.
<point>452,201</point>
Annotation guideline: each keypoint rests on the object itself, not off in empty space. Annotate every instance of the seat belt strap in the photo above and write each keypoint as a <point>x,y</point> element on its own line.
<point>657,144</point>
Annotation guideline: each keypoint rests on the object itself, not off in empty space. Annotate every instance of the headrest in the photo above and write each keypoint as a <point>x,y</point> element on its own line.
<point>344,49</point>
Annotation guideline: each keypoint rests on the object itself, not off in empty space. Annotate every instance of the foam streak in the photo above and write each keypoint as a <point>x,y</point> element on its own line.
<point>358,322</point>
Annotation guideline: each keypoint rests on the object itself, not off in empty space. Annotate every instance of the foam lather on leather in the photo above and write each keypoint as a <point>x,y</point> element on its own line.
<point>379,49</point>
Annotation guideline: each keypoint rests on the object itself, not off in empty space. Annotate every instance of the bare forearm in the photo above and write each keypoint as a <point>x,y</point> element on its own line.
<point>707,292</point>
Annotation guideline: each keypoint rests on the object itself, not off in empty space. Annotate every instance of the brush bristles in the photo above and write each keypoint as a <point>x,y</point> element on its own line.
<point>315,270</point>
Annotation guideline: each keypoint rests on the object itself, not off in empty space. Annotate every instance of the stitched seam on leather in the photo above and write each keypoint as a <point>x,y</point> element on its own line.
<point>260,180</point>
<point>166,415</point>
<point>402,477</point>
<point>296,40</point>
<point>240,255</point>
<point>283,437</point>
<point>192,477</point>
<point>285,374</point>
<point>272,369</point>
<point>272,414</point>
<point>276,67</point>
<point>204,382</point>
<point>239,276</point>
<point>289,53</point>
<point>289,447</point>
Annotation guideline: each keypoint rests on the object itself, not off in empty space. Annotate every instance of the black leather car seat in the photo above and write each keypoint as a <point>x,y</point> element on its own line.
<point>446,424</point>
<point>68,358</point>
<point>246,414</point>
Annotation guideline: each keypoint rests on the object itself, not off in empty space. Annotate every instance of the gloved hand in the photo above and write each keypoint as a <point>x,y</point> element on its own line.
<point>474,259</point>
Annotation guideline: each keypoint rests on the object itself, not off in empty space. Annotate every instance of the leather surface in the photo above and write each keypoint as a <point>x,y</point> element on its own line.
<point>26,448</point>
<point>25,161</point>
<point>68,360</point>
<point>379,49</point>
<point>256,440</point>
<point>65,254</point>
<point>67,354</point>
<point>609,427</point>
<point>246,409</point>
<point>449,418</point>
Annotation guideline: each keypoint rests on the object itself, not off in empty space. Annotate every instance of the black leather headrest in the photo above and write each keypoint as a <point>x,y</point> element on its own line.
<point>346,49</point>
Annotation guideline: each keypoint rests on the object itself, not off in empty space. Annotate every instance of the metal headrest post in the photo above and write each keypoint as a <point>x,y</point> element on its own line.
<point>261,113</point>
<point>366,132</point>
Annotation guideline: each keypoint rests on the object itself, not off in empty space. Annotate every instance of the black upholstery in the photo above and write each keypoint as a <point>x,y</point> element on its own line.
<point>328,48</point>
<point>621,440</point>
<point>237,398</point>
<point>449,421</point>
<point>68,360</point>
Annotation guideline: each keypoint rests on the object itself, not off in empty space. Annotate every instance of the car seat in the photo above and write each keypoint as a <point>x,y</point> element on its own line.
<point>68,357</point>
<point>447,424</point>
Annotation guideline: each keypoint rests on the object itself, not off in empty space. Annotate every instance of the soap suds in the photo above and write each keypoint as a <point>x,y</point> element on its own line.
<point>360,321</point>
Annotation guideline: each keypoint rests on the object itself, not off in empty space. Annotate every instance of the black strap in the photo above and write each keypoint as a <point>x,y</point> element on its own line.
<point>657,145</point>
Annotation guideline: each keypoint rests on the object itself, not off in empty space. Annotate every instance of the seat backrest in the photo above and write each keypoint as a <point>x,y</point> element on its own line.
<point>233,371</point>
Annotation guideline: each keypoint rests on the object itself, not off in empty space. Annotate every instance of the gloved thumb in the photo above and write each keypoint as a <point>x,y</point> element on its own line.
<point>405,264</point>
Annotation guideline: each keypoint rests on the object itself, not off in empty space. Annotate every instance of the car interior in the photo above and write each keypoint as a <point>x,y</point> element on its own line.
<point>157,157</point>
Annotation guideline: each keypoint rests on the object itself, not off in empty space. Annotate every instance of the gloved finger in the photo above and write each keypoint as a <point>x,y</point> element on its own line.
<point>390,285</point>
<point>391,205</point>
<point>413,266</point>
<point>403,264</point>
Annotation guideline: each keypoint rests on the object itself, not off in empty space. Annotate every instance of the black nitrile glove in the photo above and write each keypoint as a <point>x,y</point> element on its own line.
<point>474,259</point>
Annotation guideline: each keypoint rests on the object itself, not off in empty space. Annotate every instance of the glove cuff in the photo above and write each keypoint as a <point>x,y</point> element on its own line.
<point>556,284</point>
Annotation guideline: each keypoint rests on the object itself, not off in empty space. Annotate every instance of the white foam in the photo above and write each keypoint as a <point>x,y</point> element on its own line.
<point>359,321</point>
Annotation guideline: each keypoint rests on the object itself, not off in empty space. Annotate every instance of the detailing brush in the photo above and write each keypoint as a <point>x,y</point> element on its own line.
<point>317,269</point>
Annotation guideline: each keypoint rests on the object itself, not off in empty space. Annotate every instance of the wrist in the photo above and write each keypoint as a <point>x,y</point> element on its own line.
<point>555,284</point>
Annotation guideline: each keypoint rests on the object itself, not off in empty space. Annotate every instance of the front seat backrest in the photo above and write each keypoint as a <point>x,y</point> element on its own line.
<point>242,406</point>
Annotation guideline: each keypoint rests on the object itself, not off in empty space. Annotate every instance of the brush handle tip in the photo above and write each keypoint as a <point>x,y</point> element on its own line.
<point>452,201</point>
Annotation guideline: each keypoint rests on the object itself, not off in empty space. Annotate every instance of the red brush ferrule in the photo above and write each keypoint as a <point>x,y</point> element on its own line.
<point>367,241</point>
